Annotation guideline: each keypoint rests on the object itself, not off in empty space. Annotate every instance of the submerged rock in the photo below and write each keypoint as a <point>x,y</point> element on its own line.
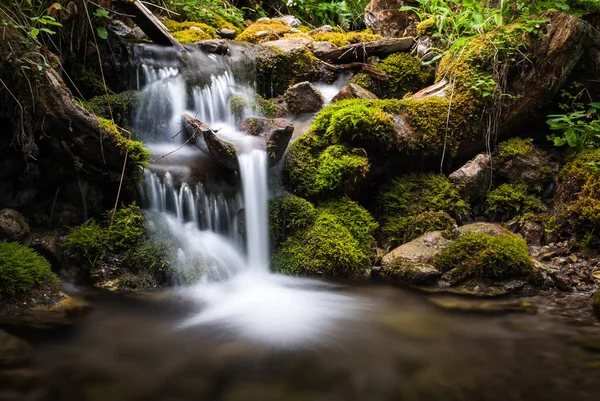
<point>13,225</point>
<point>353,91</point>
<point>385,18</point>
<point>304,98</point>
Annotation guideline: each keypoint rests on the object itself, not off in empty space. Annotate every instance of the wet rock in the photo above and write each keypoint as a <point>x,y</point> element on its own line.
<point>276,132</point>
<point>532,232</point>
<point>385,18</point>
<point>303,98</point>
<point>215,46</point>
<point>289,45</point>
<point>227,33</point>
<point>427,47</point>
<point>353,91</point>
<point>48,244</point>
<point>405,271</point>
<point>492,307</point>
<point>13,350</point>
<point>13,225</point>
<point>289,20</point>
<point>473,178</point>
<point>121,29</point>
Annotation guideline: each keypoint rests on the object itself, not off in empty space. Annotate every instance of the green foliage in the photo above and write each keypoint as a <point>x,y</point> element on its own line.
<point>579,126</point>
<point>405,74</point>
<point>347,14</point>
<point>136,152</point>
<point>511,200</point>
<point>220,14</point>
<point>414,204</point>
<point>289,214</point>
<point>127,227</point>
<point>22,269</point>
<point>514,147</point>
<point>486,257</point>
<point>87,242</point>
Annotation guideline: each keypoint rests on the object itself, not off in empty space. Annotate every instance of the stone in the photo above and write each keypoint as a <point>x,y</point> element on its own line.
<point>303,98</point>
<point>321,29</point>
<point>13,225</point>
<point>48,244</point>
<point>322,47</point>
<point>227,33</point>
<point>289,45</point>
<point>353,91</point>
<point>532,232</point>
<point>289,20</point>
<point>13,350</point>
<point>385,18</point>
<point>276,132</point>
<point>473,179</point>
<point>215,46</point>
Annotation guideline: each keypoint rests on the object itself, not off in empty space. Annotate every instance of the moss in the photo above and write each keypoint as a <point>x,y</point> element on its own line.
<point>89,83</point>
<point>486,257</point>
<point>264,31</point>
<point>327,248</point>
<point>289,214</point>
<point>414,204</point>
<point>365,81</point>
<point>511,200</point>
<point>22,269</point>
<point>514,147</point>
<point>346,38</point>
<point>87,242</point>
<point>405,74</point>
<point>189,36</point>
<point>174,27</point>
<point>136,152</point>
<point>277,71</point>
<point>238,104</point>
<point>121,105</point>
<point>127,227</point>
<point>426,26</point>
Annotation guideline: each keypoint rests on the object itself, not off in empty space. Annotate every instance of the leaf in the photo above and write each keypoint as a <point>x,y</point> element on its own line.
<point>102,33</point>
<point>34,32</point>
<point>101,13</point>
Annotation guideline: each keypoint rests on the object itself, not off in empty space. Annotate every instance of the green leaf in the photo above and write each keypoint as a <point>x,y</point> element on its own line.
<point>101,13</point>
<point>102,33</point>
<point>34,32</point>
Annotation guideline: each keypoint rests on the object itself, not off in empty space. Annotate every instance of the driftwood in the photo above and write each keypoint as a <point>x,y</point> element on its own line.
<point>361,51</point>
<point>148,23</point>
<point>221,151</point>
<point>358,68</point>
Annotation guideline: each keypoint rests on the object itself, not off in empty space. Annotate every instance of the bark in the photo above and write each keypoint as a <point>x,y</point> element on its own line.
<point>362,51</point>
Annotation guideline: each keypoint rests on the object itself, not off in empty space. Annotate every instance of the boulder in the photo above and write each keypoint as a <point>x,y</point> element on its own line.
<point>215,46</point>
<point>276,132</point>
<point>385,18</point>
<point>13,225</point>
<point>353,91</point>
<point>519,161</point>
<point>473,179</point>
<point>303,98</point>
<point>227,33</point>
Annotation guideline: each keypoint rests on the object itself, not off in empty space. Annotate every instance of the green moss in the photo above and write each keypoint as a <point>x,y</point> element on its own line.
<point>89,83</point>
<point>238,104</point>
<point>426,26</point>
<point>405,74</point>
<point>289,214</point>
<point>414,204</point>
<point>174,27</point>
<point>264,31</point>
<point>486,257</point>
<point>339,167</point>
<point>327,248</point>
<point>277,71</point>
<point>87,242</point>
<point>136,152</point>
<point>189,36</point>
<point>127,227</point>
<point>121,105</point>
<point>22,269</point>
<point>346,38</point>
<point>515,147</point>
<point>511,200</point>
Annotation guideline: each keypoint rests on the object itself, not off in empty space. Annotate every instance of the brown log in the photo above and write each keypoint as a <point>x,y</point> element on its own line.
<point>148,23</point>
<point>362,51</point>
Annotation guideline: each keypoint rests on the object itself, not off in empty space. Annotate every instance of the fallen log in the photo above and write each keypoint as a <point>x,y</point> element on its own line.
<point>148,23</point>
<point>362,51</point>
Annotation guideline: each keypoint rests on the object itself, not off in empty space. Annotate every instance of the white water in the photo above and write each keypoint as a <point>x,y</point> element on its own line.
<point>233,284</point>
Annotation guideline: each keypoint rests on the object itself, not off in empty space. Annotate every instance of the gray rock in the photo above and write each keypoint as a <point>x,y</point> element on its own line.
<point>473,179</point>
<point>385,18</point>
<point>353,91</point>
<point>276,132</point>
<point>321,29</point>
<point>227,33</point>
<point>289,20</point>
<point>303,98</point>
<point>290,45</point>
<point>322,47</point>
<point>13,225</point>
<point>215,46</point>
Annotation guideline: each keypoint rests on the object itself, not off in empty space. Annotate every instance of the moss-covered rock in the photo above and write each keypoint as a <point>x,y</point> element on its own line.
<point>121,106</point>
<point>414,204</point>
<point>189,36</point>
<point>22,269</point>
<point>264,31</point>
<point>338,243</point>
<point>519,161</point>
<point>289,214</point>
<point>136,152</point>
<point>346,38</point>
<point>511,200</point>
<point>486,258</point>
<point>239,105</point>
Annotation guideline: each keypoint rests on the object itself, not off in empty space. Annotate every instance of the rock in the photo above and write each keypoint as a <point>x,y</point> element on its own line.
<point>491,307</point>
<point>289,45</point>
<point>353,91</point>
<point>322,47</point>
<point>119,28</point>
<point>13,350</point>
<point>532,232</point>
<point>227,33</point>
<point>411,272</point>
<point>321,29</point>
<point>520,161</point>
<point>215,46</point>
<point>385,18</point>
<point>289,20</point>
<point>24,379</point>
<point>276,132</point>
<point>303,98</point>
<point>483,228</point>
<point>13,225</point>
<point>48,244</point>
<point>473,179</point>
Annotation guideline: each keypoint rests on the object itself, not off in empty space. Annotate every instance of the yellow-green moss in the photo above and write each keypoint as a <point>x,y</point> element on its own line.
<point>426,26</point>
<point>121,105</point>
<point>405,74</point>
<point>276,71</point>
<point>514,147</point>
<point>22,269</point>
<point>289,214</point>
<point>485,257</point>
<point>411,205</point>
<point>511,200</point>
<point>87,242</point>
<point>193,35</point>
<point>264,31</point>
<point>136,151</point>
<point>346,38</point>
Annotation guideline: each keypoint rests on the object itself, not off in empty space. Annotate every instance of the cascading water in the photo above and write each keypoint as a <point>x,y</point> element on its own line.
<point>200,217</point>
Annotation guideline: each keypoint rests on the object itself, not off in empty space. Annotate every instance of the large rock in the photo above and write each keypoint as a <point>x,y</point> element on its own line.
<point>385,18</point>
<point>13,226</point>
<point>353,91</point>
<point>303,98</point>
<point>276,133</point>
<point>473,179</point>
